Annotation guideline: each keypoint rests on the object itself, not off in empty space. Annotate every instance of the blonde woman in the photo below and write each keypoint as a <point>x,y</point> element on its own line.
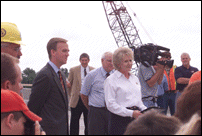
<point>122,92</point>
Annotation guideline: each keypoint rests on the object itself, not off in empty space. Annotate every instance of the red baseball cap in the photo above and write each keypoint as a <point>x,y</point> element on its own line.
<point>11,101</point>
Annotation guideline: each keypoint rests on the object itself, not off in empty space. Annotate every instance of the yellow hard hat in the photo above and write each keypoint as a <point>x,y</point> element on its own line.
<point>10,33</point>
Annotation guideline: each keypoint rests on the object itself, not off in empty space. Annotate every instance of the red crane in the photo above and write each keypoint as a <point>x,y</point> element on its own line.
<point>121,25</point>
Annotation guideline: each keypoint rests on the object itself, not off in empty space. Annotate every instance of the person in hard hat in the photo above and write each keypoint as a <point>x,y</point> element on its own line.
<point>11,39</point>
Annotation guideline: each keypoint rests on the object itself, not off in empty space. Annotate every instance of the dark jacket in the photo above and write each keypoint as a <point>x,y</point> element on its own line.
<point>48,100</point>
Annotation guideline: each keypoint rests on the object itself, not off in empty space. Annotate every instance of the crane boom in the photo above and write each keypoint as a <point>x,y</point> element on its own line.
<point>121,24</point>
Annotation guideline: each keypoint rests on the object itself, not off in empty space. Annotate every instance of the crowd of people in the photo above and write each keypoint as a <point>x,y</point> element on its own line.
<point>113,100</point>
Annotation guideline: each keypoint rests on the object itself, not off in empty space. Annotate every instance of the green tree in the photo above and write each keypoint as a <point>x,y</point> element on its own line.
<point>28,76</point>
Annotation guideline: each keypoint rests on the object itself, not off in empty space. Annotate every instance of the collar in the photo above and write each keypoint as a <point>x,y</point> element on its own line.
<point>82,68</point>
<point>55,68</point>
<point>185,67</point>
<point>118,73</point>
<point>153,69</point>
<point>105,72</point>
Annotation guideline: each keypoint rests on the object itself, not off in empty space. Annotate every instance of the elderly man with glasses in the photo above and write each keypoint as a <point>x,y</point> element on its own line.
<point>11,39</point>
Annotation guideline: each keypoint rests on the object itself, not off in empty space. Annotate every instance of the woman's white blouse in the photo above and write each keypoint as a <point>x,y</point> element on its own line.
<point>121,92</point>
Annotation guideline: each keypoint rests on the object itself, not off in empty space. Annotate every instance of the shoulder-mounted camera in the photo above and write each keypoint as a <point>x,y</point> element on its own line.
<point>148,55</point>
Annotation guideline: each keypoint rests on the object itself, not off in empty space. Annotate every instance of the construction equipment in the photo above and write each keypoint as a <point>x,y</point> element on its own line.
<point>121,25</point>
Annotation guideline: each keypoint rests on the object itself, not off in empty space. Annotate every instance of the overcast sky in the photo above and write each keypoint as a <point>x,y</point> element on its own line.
<point>172,24</point>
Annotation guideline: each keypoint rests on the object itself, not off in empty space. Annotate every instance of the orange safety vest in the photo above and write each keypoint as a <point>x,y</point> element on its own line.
<point>171,79</point>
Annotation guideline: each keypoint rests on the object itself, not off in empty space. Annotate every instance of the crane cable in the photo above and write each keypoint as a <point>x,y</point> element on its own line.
<point>140,23</point>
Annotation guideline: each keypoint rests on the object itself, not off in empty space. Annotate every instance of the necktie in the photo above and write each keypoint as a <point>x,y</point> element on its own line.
<point>107,74</point>
<point>85,72</point>
<point>61,81</point>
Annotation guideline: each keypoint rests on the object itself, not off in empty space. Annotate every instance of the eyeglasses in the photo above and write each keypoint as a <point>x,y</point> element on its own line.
<point>109,61</point>
<point>17,49</point>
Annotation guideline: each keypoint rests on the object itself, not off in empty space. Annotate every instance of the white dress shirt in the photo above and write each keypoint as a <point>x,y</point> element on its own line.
<point>121,92</point>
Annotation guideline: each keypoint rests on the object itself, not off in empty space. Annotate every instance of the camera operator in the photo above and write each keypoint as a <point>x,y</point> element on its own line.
<point>150,78</point>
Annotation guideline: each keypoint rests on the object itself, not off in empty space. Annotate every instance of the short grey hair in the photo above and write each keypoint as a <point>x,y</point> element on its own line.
<point>105,54</point>
<point>185,54</point>
<point>118,56</point>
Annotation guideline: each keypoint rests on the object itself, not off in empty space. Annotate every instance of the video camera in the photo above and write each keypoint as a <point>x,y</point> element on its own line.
<point>148,54</point>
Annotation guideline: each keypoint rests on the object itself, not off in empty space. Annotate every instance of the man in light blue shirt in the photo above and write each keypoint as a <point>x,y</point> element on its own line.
<point>92,95</point>
<point>160,92</point>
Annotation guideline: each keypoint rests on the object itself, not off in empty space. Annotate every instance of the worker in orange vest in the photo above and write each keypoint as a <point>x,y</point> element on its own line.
<point>170,94</point>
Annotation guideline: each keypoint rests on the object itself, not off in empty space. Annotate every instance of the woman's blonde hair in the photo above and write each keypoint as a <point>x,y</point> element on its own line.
<point>119,54</point>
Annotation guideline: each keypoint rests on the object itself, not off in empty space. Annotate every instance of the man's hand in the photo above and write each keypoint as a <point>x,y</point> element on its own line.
<point>84,99</point>
<point>136,113</point>
<point>159,67</point>
<point>68,84</point>
<point>37,129</point>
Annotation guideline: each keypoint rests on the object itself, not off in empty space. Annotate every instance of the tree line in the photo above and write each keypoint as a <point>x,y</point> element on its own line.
<point>28,75</point>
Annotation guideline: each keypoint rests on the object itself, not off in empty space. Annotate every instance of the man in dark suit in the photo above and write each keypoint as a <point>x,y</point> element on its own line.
<point>48,97</point>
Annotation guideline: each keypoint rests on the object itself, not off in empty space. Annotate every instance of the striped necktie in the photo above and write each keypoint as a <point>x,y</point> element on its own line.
<point>61,81</point>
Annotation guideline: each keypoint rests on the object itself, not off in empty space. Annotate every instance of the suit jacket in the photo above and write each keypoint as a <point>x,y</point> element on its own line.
<point>49,101</point>
<point>75,80</point>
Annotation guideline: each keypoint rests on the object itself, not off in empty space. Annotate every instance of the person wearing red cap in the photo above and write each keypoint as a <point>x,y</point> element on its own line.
<point>15,114</point>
